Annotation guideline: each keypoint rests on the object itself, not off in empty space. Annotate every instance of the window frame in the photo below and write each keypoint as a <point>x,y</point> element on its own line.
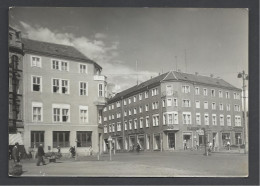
<point>40,84</point>
<point>40,61</point>
<point>37,105</point>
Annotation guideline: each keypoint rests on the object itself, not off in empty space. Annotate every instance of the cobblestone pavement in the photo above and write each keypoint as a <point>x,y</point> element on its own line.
<point>145,164</point>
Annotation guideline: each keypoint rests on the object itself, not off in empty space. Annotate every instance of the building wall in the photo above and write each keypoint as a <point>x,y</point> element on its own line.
<point>178,129</point>
<point>73,99</point>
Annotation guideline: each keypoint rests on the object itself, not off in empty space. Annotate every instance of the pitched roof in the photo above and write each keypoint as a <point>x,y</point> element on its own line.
<point>57,50</point>
<point>174,76</point>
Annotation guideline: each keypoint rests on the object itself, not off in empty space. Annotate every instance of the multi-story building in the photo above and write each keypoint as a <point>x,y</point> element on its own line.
<point>174,108</point>
<point>15,123</point>
<point>64,94</point>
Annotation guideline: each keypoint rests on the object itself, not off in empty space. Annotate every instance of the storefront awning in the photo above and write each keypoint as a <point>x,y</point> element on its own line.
<point>13,138</point>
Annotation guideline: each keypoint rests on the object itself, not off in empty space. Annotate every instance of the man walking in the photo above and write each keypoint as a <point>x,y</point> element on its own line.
<point>15,153</point>
<point>40,155</point>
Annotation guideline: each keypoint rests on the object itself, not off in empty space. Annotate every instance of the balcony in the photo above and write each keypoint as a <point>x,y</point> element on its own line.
<point>99,78</point>
<point>169,93</point>
<point>171,127</point>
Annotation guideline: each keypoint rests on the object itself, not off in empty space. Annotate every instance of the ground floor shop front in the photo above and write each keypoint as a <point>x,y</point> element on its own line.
<point>181,139</point>
<point>85,139</point>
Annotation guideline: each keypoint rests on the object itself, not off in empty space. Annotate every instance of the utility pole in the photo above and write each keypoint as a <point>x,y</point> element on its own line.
<point>244,77</point>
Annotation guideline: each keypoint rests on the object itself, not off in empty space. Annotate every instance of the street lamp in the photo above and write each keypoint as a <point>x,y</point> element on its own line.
<point>244,77</point>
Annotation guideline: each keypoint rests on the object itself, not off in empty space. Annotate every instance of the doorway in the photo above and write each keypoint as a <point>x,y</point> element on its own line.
<point>171,140</point>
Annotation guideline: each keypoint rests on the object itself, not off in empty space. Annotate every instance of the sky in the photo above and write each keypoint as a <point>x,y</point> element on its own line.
<point>140,43</point>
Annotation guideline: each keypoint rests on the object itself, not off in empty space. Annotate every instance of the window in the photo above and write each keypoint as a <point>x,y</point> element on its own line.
<point>56,83</point>
<point>228,107</point>
<point>83,114</point>
<point>105,109</point>
<point>163,103</point>
<point>140,109</point>
<point>169,90</point>
<point>105,129</point>
<point>118,126</point>
<point>228,120</point>
<point>236,95</point>
<point>124,101</point>
<point>197,104</point>
<point>113,127</point>
<point>175,102</point>
<point>175,118</point>
<point>112,106</point>
<point>164,119</point>
<point>237,121</point>
<point>146,94</point>
<point>110,128</point>
<point>214,119</point>
<point>129,100</point>
<point>170,119</point>
<point>61,112</point>
<point>213,93</point>
<point>55,64</point>
<point>185,89</point>
<point>154,91</point>
<point>141,123</point>
<point>186,103</point>
<point>109,107</point>
<point>36,61</point>
<point>83,88</point>
<point>186,117</point>
<point>84,138</point>
<point>205,92</point>
<point>37,138</point>
<point>36,83</point>
<point>64,66</point>
<point>135,123</point>
<point>197,90</point>
<point>109,117</point>
<point>220,93</point>
<point>221,120</point>
<point>118,104</point>
<point>206,119</point>
<point>125,125</point>
<point>118,115</point>
<point>113,116</point>
<point>147,123</point>
<point>61,139</point>
<point>198,122</point>
<point>105,118</point>
<point>221,106</point>
<point>130,112</point>
<point>237,108</point>
<point>169,102</point>
<point>134,98</point>
<point>213,106</point>
<point>100,90</point>
<point>36,112</point>
<point>83,68</point>
<point>140,96</point>
<point>206,105</point>
<point>227,95</point>
<point>130,124</point>
<point>134,110</point>
<point>155,120</point>
<point>146,107</point>
<point>125,113</point>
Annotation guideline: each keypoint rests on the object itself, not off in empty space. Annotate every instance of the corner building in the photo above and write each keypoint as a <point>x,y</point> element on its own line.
<point>64,94</point>
<point>173,108</point>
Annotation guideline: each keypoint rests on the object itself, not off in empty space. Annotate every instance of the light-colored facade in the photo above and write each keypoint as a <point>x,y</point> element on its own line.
<point>173,109</point>
<point>64,94</point>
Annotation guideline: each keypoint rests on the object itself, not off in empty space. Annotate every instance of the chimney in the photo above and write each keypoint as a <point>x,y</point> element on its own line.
<point>196,73</point>
<point>211,75</point>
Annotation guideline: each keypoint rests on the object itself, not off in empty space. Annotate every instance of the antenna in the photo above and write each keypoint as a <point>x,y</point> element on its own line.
<point>136,72</point>
<point>176,63</point>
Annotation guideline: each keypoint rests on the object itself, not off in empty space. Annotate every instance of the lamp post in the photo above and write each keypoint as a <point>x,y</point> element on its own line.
<point>244,77</point>
<point>110,146</point>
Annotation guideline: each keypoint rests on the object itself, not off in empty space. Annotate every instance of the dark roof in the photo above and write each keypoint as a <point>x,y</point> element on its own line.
<point>174,76</point>
<point>57,50</point>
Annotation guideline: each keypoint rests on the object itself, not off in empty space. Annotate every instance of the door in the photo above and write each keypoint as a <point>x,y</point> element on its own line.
<point>171,140</point>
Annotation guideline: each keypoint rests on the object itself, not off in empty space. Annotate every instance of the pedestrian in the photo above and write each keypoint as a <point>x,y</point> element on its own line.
<point>15,153</point>
<point>72,151</point>
<point>90,150</point>
<point>197,145</point>
<point>228,145</point>
<point>138,148</point>
<point>185,144</point>
<point>58,149</point>
<point>40,155</point>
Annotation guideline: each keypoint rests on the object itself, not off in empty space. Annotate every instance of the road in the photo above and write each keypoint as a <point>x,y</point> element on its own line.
<point>149,164</point>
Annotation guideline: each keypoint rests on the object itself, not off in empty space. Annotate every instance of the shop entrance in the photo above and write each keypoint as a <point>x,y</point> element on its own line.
<point>225,139</point>
<point>157,142</point>
<point>148,139</point>
<point>187,140</point>
<point>119,144</point>
<point>132,143</point>
<point>141,141</point>
<point>106,145</point>
<point>171,140</point>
